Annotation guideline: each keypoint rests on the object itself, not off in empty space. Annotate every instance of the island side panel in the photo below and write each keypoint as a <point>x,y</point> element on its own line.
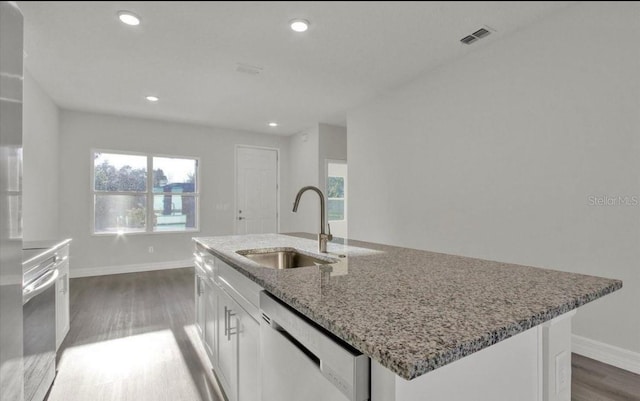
<point>508,370</point>
<point>556,353</point>
<point>531,366</point>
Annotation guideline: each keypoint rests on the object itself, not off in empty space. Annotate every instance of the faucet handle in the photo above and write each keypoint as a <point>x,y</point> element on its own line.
<point>329,236</point>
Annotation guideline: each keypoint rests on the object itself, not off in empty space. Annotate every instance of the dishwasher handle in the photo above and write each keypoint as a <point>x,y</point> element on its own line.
<point>285,334</point>
<point>40,285</point>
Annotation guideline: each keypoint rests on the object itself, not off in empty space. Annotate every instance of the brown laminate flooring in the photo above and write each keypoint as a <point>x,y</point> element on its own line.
<point>595,381</point>
<point>132,338</point>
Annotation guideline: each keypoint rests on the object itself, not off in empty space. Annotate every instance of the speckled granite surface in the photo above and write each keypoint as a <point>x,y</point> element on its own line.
<point>413,311</point>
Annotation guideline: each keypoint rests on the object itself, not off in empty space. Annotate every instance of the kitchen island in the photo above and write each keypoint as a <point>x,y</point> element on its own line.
<point>431,323</point>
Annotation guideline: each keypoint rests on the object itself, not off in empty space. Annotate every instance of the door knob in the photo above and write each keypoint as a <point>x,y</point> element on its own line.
<point>240,218</point>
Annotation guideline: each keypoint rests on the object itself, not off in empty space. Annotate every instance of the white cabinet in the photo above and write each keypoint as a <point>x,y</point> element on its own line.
<point>228,345</point>
<point>200,301</point>
<point>210,323</point>
<point>248,334</point>
<point>238,350</point>
<point>62,296</point>
<point>205,303</point>
<point>227,310</point>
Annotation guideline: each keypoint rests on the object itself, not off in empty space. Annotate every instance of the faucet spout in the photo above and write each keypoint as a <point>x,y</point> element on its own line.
<point>323,237</point>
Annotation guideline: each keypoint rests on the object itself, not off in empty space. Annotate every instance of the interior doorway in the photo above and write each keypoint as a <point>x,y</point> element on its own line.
<point>337,196</point>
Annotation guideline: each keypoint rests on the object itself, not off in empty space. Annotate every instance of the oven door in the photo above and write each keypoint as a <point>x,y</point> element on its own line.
<point>39,313</point>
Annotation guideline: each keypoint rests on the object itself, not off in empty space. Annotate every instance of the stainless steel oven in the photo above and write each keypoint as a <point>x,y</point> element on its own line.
<point>40,270</point>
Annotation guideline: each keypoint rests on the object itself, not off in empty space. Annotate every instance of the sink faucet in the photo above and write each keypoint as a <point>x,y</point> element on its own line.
<point>323,237</point>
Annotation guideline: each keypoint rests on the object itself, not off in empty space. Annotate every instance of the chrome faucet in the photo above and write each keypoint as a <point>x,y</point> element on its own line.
<point>323,237</point>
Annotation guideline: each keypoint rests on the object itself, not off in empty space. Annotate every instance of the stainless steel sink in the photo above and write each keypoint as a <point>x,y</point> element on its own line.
<point>283,258</point>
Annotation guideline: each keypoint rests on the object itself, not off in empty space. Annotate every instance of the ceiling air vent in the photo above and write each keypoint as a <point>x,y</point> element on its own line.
<point>467,40</point>
<point>479,34</point>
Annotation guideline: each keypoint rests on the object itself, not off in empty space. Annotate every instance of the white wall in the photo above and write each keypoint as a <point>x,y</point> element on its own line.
<point>495,156</point>
<point>301,170</point>
<point>333,146</point>
<point>81,132</point>
<point>307,152</point>
<point>40,164</point>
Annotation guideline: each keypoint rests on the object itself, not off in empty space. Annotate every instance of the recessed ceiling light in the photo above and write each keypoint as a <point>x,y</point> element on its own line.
<point>273,124</point>
<point>299,25</point>
<point>129,18</point>
<point>152,99</point>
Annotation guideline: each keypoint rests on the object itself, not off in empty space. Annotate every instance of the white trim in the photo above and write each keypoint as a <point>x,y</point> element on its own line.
<point>540,369</point>
<point>326,187</point>
<point>235,183</point>
<point>605,353</point>
<point>142,267</point>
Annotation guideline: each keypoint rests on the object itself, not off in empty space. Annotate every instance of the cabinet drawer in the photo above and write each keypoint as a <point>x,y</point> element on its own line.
<point>63,257</point>
<point>236,284</point>
<point>204,263</point>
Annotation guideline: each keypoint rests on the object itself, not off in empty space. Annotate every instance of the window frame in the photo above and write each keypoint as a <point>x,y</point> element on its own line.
<point>343,199</point>
<point>327,162</point>
<point>150,212</point>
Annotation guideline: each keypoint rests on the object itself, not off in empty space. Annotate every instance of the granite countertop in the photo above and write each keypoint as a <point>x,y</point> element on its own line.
<point>413,311</point>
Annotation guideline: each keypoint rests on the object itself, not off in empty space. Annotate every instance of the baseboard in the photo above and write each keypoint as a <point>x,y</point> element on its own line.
<point>143,267</point>
<point>605,353</point>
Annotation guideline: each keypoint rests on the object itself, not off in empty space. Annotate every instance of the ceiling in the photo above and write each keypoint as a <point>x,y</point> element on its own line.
<point>187,53</point>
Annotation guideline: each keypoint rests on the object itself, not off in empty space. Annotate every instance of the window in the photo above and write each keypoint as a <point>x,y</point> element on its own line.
<point>127,199</point>
<point>335,195</point>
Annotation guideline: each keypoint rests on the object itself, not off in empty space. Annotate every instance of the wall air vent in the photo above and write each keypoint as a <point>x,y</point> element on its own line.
<point>479,34</point>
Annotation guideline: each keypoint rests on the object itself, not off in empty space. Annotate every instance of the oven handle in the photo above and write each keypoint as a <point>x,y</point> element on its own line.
<point>39,286</point>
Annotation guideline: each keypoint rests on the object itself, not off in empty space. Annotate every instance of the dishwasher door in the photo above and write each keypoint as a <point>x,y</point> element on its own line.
<point>302,362</point>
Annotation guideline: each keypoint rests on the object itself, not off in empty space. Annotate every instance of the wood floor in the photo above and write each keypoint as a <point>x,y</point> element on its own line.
<point>132,339</point>
<point>595,381</point>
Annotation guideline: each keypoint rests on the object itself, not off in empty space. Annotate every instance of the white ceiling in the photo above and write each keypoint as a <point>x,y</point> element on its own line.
<point>187,53</point>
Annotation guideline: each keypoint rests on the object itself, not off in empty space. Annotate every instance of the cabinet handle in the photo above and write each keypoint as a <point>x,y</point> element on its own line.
<point>64,286</point>
<point>225,320</point>
<point>200,289</point>
<point>231,330</point>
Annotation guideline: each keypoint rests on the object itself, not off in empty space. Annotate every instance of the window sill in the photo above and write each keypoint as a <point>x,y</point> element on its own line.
<point>127,234</point>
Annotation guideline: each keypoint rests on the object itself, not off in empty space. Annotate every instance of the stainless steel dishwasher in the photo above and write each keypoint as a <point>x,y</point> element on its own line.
<point>301,361</point>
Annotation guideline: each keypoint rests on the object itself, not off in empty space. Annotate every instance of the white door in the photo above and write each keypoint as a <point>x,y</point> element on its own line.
<point>257,190</point>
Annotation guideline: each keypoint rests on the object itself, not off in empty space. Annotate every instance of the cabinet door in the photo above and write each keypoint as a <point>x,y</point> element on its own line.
<point>228,345</point>
<point>248,334</point>
<point>62,304</point>
<point>200,305</point>
<point>210,321</point>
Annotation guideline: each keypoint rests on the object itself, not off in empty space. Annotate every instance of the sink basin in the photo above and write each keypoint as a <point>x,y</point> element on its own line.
<point>283,258</point>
